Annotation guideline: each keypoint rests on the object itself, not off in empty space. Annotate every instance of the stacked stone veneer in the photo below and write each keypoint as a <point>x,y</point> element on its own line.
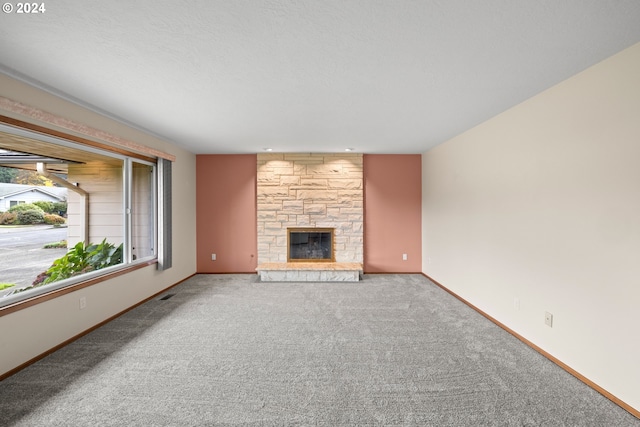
<point>310,190</point>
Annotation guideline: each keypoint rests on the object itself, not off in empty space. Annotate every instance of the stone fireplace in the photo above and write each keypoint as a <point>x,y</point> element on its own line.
<point>310,191</point>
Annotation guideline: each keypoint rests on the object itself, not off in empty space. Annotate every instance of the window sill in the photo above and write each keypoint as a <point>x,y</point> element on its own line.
<point>38,299</point>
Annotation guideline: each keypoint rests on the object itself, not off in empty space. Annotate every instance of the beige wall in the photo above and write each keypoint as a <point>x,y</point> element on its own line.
<point>541,204</point>
<point>32,331</point>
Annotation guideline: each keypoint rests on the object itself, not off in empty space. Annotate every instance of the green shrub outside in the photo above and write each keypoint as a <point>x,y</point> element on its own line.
<point>38,212</point>
<point>25,207</point>
<point>59,208</point>
<point>47,207</point>
<point>31,216</point>
<point>27,213</point>
<point>81,259</point>
<point>62,244</point>
<point>53,219</point>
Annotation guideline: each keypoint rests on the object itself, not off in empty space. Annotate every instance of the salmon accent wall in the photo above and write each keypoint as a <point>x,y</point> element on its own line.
<point>226,213</point>
<point>392,213</point>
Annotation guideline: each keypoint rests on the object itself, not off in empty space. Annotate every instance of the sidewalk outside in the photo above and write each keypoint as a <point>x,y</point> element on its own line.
<point>22,253</point>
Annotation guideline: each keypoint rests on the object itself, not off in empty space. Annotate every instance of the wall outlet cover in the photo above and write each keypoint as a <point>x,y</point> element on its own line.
<point>548,319</point>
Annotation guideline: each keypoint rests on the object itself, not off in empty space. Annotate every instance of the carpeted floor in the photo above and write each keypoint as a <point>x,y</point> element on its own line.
<point>229,350</point>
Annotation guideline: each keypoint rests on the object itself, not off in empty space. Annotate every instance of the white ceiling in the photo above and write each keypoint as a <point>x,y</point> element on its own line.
<point>379,76</point>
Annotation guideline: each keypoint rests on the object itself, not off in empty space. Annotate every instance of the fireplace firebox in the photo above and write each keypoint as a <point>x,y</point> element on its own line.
<point>310,245</point>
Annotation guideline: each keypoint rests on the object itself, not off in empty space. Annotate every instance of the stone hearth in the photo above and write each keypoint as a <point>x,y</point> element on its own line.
<point>310,272</point>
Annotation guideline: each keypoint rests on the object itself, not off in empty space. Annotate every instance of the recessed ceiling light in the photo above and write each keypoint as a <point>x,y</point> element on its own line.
<point>348,149</point>
<point>268,149</point>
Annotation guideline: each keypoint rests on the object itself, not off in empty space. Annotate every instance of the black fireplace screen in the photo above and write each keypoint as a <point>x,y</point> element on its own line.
<point>310,244</point>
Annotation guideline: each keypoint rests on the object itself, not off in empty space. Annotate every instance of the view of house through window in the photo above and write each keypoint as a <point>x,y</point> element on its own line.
<point>69,212</point>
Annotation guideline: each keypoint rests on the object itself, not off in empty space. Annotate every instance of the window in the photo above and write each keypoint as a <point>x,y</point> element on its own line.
<point>114,206</point>
<point>143,210</point>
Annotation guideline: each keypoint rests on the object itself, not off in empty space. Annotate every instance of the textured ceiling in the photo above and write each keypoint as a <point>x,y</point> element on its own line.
<point>392,76</point>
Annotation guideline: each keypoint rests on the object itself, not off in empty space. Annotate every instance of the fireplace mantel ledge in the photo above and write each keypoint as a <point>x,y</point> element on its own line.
<point>324,266</point>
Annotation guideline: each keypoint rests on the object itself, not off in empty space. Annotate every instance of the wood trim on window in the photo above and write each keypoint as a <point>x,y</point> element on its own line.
<point>72,138</point>
<point>131,148</point>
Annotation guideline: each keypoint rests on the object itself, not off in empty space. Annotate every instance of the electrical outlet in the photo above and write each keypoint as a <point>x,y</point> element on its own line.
<point>429,260</point>
<point>548,319</point>
<point>213,257</point>
<point>83,303</point>
<point>404,257</point>
<point>516,304</point>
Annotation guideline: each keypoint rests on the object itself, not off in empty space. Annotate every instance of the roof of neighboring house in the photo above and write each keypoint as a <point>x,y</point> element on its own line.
<point>8,190</point>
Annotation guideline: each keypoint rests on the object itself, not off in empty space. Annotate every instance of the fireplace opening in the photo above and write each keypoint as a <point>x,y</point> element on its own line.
<point>310,244</point>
